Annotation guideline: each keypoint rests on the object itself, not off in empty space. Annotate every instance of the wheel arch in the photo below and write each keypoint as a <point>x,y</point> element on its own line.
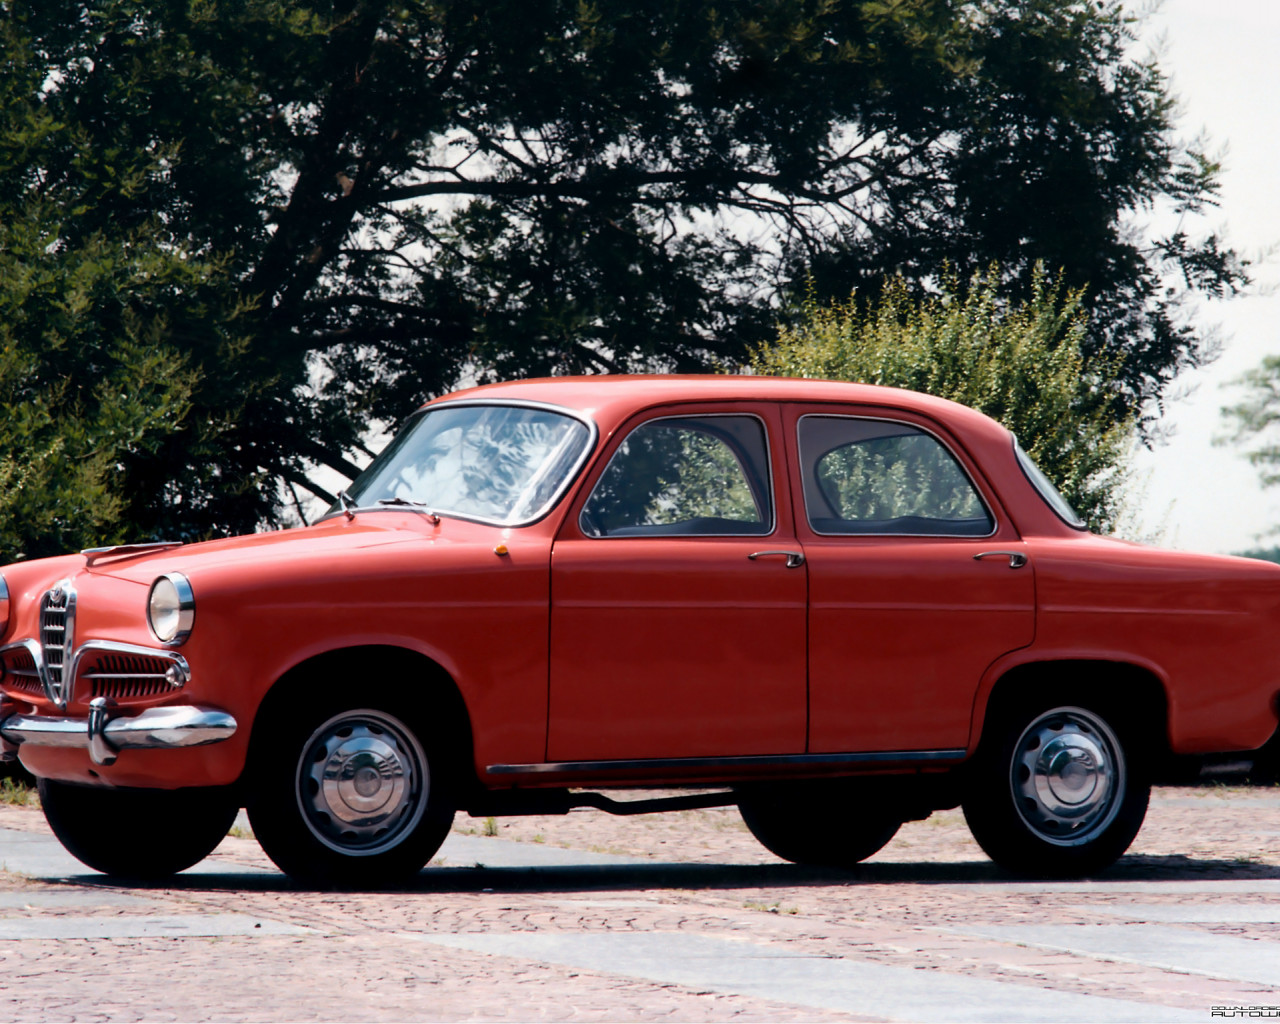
<point>397,672</point>
<point>1135,693</point>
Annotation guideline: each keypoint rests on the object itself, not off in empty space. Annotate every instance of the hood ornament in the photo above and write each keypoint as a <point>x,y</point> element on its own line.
<point>111,551</point>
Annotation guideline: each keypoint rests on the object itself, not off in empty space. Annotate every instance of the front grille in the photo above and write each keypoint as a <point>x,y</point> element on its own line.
<point>124,676</point>
<point>57,628</point>
<point>20,672</point>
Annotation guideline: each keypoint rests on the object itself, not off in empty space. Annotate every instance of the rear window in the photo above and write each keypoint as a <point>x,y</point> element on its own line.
<point>1061,507</point>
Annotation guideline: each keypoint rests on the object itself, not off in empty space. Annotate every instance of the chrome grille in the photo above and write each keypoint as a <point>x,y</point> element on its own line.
<point>57,632</point>
<point>20,672</point>
<point>122,676</point>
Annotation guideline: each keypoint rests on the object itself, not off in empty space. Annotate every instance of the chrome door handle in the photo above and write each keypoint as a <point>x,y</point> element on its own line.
<point>794,558</point>
<point>1016,558</point>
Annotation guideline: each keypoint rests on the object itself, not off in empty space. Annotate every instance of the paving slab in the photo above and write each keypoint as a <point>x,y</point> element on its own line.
<point>137,926</point>
<point>1184,950</point>
<point>42,856</point>
<point>491,852</point>
<point>36,854</point>
<point>1119,886</point>
<point>739,967</point>
<point>1202,913</point>
<point>73,899</point>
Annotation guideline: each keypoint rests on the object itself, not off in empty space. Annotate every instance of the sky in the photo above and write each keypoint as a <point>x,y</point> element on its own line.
<point>1222,58</point>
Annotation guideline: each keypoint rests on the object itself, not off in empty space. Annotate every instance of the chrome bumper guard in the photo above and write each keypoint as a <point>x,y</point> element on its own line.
<point>104,736</point>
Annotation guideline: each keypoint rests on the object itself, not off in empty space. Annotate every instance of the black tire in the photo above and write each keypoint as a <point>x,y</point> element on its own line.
<point>819,825</point>
<point>352,798</point>
<point>139,834</point>
<point>1058,790</point>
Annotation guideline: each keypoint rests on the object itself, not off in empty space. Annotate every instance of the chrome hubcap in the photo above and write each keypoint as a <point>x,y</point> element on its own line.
<point>362,782</point>
<point>1068,776</point>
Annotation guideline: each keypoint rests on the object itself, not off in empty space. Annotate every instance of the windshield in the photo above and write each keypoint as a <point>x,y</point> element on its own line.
<point>504,464</point>
<point>1061,507</point>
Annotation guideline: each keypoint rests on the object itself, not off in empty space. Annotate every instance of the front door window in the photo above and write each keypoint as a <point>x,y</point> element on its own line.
<point>692,476</point>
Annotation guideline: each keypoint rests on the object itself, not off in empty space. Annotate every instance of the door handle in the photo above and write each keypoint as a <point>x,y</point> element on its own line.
<point>1016,558</point>
<point>794,558</point>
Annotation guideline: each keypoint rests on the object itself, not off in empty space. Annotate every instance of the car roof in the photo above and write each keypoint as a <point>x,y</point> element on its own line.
<point>609,397</point>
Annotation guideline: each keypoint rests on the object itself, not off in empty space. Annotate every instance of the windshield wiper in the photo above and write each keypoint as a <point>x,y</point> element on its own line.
<point>349,505</point>
<point>431,516</point>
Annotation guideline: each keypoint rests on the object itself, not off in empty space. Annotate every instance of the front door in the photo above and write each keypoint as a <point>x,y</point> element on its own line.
<point>677,601</point>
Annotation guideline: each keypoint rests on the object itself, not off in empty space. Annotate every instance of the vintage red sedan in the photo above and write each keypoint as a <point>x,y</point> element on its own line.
<point>793,596</point>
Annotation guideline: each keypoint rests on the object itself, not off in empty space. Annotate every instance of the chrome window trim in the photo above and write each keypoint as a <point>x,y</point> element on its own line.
<point>186,608</point>
<point>593,435</point>
<point>995,522</point>
<point>770,483</point>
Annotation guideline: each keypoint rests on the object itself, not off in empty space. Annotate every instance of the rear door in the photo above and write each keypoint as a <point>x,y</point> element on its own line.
<point>917,580</point>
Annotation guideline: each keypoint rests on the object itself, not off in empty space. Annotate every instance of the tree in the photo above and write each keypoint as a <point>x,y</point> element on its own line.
<point>88,380</point>
<point>1256,419</point>
<point>400,193</point>
<point>1266,554</point>
<point>1019,363</point>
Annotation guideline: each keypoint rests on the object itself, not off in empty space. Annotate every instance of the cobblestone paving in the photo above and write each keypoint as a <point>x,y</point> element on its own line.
<point>698,924</point>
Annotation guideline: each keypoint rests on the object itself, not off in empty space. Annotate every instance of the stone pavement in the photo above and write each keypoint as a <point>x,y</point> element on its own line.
<point>666,917</point>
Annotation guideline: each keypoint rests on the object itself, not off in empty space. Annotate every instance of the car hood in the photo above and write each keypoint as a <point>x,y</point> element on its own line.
<point>333,539</point>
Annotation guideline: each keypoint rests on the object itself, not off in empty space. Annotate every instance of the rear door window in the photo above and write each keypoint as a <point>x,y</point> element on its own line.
<point>867,476</point>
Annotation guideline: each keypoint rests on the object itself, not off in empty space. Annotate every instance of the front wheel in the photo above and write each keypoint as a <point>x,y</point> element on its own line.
<point>1059,793</point>
<point>142,834</point>
<point>350,800</point>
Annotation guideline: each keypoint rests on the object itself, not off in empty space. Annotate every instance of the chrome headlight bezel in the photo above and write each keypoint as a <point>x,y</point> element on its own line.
<point>171,609</point>
<point>4,606</point>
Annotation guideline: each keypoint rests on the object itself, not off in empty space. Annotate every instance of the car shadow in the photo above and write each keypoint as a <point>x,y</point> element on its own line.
<point>671,875</point>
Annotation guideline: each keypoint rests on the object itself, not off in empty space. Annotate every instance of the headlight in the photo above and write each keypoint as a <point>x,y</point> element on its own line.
<point>171,608</point>
<point>4,606</point>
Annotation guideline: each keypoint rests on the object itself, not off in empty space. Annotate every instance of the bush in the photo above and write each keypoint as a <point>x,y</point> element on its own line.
<point>1019,363</point>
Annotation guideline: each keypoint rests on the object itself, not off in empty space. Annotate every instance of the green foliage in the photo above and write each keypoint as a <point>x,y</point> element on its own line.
<point>1256,420</point>
<point>373,198</point>
<point>1266,554</point>
<point>89,378</point>
<point>1018,362</point>
<point>18,792</point>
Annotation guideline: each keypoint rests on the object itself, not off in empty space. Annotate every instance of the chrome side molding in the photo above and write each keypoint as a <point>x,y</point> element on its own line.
<point>762,762</point>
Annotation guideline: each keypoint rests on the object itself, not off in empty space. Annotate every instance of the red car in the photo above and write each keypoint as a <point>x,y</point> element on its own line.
<point>786,595</point>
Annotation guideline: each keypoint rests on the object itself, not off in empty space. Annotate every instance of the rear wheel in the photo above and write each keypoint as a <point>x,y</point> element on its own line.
<point>820,825</point>
<point>143,834</point>
<point>1059,791</point>
<point>350,799</point>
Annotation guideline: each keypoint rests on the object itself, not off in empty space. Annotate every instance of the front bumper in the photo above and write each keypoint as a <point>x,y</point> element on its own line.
<point>104,736</point>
